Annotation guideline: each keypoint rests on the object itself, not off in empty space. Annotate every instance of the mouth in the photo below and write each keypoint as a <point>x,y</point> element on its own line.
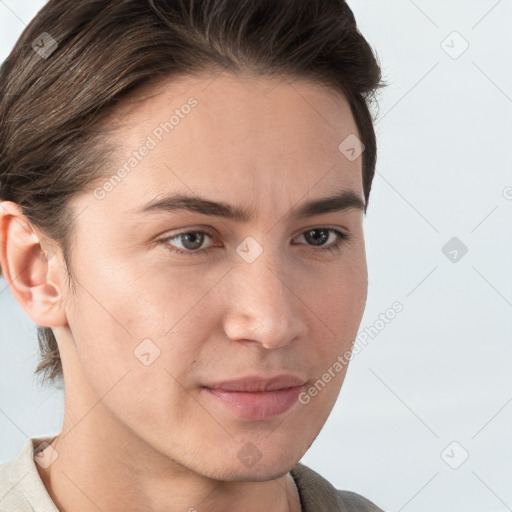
<point>256,398</point>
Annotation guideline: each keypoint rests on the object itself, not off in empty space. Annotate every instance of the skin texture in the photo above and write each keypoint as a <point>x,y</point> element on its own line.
<point>139,437</point>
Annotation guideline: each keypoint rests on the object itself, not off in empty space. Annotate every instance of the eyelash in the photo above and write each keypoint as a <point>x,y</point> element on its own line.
<point>341,238</point>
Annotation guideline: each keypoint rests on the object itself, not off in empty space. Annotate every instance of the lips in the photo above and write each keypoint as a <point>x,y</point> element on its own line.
<point>257,383</point>
<point>256,398</point>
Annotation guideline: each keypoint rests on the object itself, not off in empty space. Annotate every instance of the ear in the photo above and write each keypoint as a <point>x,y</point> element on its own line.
<point>30,265</point>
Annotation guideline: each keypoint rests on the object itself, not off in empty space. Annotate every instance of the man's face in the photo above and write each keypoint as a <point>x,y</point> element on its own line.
<point>264,297</point>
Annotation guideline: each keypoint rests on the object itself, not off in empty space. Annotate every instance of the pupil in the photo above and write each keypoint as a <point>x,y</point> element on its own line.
<point>322,239</point>
<point>197,236</point>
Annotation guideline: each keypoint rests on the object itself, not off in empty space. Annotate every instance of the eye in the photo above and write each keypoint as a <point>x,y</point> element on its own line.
<point>320,240</point>
<point>193,240</point>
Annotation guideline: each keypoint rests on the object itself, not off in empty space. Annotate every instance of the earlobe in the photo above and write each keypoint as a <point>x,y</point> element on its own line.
<point>31,272</point>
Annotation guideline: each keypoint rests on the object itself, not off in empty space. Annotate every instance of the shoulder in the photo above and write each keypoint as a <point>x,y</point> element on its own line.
<point>11,497</point>
<point>21,488</point>
<point>355,502</point>
<point>319,495</point>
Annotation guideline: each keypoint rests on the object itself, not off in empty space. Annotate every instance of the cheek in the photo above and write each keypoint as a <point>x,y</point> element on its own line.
<point>127,358</point>
<point>342,297</point>
<point>121,322</point>
<point>338,307</point>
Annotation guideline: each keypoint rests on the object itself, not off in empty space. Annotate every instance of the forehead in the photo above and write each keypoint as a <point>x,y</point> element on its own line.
<point>260,108</point>
<point>216,134</point>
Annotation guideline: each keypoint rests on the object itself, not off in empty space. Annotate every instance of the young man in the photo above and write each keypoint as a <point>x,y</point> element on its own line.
<point>183,189</point>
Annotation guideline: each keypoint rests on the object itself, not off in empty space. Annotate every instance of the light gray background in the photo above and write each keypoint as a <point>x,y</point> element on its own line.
<point>440,371</point>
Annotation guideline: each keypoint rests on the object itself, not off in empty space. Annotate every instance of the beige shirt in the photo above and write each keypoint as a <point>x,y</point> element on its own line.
<point>22,490</point>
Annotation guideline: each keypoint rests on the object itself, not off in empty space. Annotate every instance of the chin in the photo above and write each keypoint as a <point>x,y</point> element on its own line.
<point>262,470</point>
<point>257,473</point>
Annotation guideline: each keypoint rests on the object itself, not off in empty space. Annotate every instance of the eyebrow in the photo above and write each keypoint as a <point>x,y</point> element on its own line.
<point>343,200</point>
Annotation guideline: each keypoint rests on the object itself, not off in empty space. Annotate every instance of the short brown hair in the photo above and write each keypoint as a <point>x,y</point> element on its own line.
<point>52,107</point>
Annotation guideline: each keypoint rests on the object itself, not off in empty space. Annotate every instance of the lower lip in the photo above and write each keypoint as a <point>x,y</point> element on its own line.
<point>257,405</point>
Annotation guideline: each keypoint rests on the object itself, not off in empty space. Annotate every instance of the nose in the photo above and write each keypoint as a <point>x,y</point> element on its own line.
<point>262,304</point>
